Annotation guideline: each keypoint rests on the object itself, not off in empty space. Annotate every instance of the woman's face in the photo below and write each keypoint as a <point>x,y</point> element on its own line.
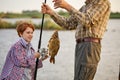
<point>27,34</point>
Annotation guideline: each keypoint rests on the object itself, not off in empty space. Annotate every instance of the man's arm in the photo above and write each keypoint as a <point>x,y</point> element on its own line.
<point>68,23</point>
<point>92,15</point>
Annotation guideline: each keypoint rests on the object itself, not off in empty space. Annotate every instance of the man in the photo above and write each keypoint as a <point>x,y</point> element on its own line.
<point>90,23</point>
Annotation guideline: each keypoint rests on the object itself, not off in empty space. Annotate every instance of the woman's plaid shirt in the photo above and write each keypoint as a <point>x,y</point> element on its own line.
<point>90,21</point>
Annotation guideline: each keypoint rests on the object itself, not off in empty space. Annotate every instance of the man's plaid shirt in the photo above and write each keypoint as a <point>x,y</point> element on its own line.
<point>90,21</point>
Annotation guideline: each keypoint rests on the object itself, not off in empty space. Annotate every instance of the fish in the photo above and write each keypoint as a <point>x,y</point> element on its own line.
<point>53,46</point>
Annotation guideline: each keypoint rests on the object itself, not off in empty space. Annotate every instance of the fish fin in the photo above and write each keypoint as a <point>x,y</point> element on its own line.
<point>52,60</point>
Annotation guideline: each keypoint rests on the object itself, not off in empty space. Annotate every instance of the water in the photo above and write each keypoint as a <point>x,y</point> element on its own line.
<point>108,68</point>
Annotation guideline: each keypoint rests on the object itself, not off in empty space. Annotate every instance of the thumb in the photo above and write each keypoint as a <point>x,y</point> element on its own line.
<point>45,5</point>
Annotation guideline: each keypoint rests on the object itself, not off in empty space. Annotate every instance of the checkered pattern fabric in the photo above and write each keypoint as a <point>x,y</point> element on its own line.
<point>90,21</point>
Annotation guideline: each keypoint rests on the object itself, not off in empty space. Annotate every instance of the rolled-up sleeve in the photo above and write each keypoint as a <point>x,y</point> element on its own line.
<point>67,23</point>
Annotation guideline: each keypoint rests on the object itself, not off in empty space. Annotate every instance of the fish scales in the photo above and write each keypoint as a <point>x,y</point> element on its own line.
<point>53,46</point>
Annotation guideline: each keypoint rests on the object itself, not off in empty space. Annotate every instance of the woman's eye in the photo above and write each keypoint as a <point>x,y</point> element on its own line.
<point>29,32</point>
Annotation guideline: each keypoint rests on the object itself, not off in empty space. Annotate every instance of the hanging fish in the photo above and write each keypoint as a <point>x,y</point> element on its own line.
<point>53,46</point>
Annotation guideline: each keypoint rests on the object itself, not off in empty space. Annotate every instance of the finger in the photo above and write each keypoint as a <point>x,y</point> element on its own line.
<point>44,4</point>
<point>56,5</point>
<point>54,0</point>
<point>43,9</point>
<point>57,1</point>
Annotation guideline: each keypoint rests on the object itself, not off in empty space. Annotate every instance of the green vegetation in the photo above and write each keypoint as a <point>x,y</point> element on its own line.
<point>37,14</point>
<point>24,14</point>
<point>115,15</point>
<point>48,24</point>
<point>4,24</point>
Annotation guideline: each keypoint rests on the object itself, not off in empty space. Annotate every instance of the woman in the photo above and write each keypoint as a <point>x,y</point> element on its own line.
<point>20,61</point>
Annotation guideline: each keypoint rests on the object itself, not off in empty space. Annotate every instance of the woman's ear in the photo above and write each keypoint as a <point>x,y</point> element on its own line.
<point>20,34</point>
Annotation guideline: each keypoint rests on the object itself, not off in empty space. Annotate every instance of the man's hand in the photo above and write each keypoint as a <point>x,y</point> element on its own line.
<point>61,4</point>
<point>58,3</point>
<point>46,9</point>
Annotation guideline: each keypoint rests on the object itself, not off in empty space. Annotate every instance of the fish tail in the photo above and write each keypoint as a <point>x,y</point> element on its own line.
<point>52,60</point>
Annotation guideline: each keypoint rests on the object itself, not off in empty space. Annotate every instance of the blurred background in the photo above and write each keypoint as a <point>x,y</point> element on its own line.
<point>13,11</point>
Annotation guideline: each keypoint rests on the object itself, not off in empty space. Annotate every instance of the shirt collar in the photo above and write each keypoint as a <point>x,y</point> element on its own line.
<point>24,43</point>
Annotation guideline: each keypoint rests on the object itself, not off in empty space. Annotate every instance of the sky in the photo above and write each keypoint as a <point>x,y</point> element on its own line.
<point>20,5</point>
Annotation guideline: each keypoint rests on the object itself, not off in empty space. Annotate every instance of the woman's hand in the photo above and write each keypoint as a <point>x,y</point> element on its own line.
<point>46,56</point>
<point>37,54</point>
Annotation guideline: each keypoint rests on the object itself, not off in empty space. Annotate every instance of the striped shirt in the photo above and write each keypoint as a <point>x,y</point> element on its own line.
<point>90,21</point>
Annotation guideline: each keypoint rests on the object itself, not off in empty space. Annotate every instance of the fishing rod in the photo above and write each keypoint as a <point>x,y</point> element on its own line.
<point>39,45</point>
